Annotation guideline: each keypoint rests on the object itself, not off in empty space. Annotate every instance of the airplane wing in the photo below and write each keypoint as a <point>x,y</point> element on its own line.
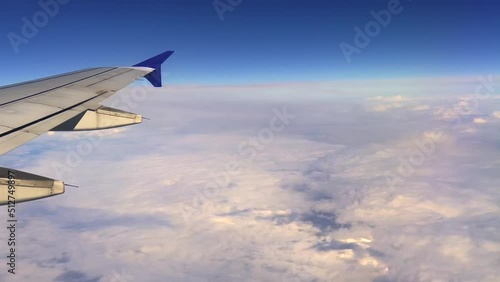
<point>66,102</point>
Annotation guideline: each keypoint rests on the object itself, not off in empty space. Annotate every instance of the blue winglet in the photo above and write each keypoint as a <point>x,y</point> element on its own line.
<point>155,63</point>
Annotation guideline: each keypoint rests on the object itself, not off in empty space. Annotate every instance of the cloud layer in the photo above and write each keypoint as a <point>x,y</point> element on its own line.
<point>375,187</point>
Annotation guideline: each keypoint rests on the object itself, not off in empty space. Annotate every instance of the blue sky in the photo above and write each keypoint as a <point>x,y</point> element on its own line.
<point>258,42</point>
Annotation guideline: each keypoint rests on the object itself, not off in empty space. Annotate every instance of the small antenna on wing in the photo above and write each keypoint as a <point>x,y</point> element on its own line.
<point>146,118</point>
<point>72,186</point>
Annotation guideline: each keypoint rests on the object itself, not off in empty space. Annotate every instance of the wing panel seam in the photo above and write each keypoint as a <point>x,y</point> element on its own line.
<point>109,78</point>
<point>44,79</point>
<point>46,117</point>
<point>45,91</point>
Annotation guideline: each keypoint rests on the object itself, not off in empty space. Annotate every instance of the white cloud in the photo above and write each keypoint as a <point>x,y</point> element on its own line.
<point>314,204</point>
<point>420,108</point>
<point>480,120</point>
<point>397,98</point>
<point>385,107</point>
